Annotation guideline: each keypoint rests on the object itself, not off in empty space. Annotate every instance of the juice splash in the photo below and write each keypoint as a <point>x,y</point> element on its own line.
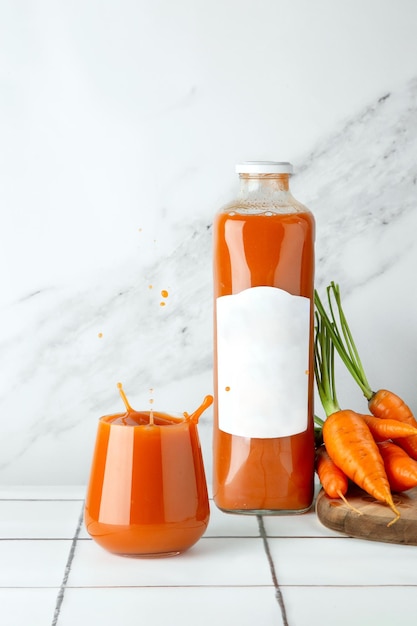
<point>194,417</point>
<point>143,418</point>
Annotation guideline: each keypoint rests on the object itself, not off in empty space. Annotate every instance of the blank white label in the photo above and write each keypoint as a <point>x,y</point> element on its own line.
<point>263,360</point>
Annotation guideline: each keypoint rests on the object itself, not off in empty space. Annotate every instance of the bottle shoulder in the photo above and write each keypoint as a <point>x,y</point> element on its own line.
<point>255,206</point>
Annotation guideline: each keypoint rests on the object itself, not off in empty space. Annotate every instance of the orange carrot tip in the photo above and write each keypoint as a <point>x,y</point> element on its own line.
<point>397,515</point>
<point>353,508</point>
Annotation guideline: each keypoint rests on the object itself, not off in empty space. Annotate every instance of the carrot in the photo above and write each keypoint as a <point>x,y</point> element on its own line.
<point>332,479</point>
<point>401,469</point>
<point>334,482</point>
<point>350,444</point>
<point>383,429</point>
<point>347,438</point>
<point>382,403</point>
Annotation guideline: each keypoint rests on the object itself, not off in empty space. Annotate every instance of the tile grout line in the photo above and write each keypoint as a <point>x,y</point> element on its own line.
<point>278,593</point>
<point>61,592</point>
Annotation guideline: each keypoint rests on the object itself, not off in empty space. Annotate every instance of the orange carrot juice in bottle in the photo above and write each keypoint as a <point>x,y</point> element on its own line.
<point>263,439</point>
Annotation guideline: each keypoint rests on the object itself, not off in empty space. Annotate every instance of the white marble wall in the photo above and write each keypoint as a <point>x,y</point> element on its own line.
<point>120,124</point>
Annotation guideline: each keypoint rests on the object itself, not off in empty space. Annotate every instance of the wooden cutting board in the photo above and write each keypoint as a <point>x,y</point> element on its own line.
<point>372,524</point>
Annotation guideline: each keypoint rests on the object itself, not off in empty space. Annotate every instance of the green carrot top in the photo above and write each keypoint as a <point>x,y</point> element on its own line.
<point>340,336</point>
<point>324,368</point>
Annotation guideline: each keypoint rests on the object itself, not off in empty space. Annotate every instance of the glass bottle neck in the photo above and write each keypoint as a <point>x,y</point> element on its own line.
<point>264,185</point>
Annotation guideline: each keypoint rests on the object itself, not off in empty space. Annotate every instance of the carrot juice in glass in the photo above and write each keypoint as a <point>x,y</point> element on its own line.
<point>147,493</point>
<point>263,438</point>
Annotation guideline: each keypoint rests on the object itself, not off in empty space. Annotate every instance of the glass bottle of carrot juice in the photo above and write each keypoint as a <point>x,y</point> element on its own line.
<point>263,346</point>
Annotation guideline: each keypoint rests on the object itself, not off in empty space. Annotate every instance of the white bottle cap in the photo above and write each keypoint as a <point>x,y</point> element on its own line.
<point>264,167</point>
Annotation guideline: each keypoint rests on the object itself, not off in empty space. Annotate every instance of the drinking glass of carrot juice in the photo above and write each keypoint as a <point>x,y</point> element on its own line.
<point>147,493</point>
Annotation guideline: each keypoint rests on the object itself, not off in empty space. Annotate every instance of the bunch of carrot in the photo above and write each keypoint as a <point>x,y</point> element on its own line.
<point>378,452</point>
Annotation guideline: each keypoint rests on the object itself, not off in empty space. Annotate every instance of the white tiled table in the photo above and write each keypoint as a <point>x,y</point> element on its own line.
<point>244,571</point>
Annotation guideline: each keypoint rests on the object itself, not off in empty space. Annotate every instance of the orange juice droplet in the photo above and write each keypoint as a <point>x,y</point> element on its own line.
<point>164,294</point>
<point>227,388</point>
<point>100,335</point>
<point>150,286</point>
